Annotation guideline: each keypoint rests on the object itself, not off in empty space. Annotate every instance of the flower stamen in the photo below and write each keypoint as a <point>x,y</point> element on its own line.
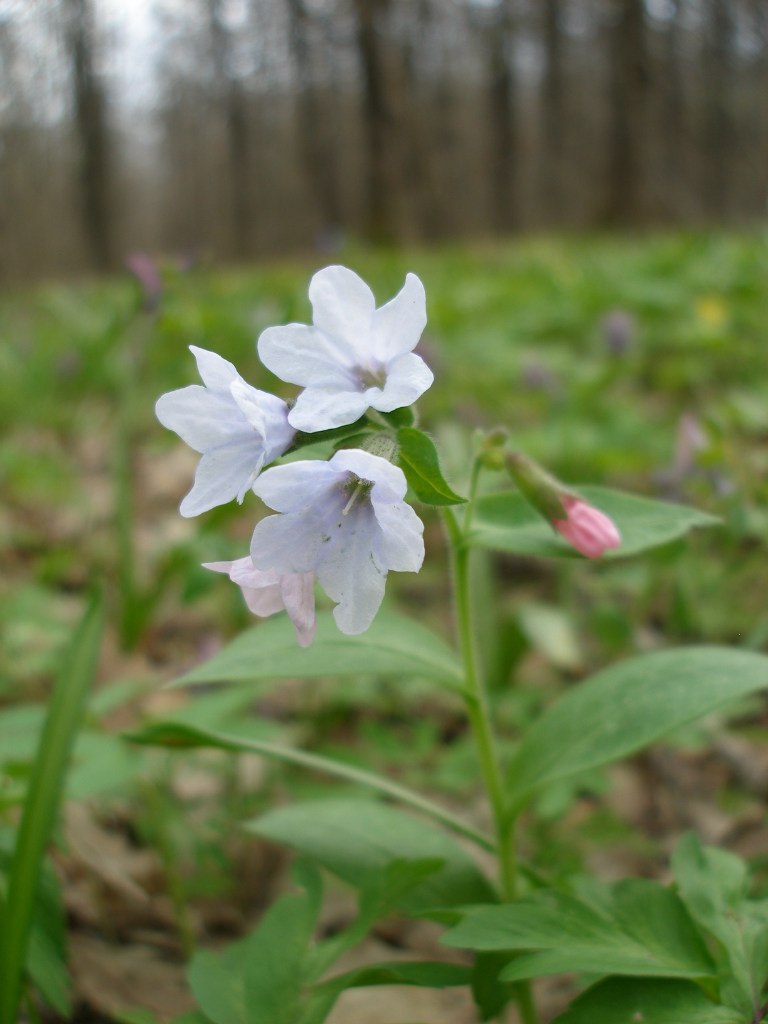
<point>359,490</point>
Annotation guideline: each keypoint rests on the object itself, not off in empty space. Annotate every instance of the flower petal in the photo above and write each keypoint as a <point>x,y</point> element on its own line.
<point>302,355</point>
<point>343,307</point>
<point>400,544</point>
<point>224,473</point>
<point>349,573</point>
<point>215,372</point>
<point>325,408</point>
<point>408,377</point>
<point>399,324</point>
<point>298,593</point>
<point>389,483</point>
<point>291,542</point>
<point>295,486</point>
<point>201,418</point>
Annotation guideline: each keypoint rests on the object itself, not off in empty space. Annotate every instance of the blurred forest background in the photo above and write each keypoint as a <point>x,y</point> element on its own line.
<point>247,128</point>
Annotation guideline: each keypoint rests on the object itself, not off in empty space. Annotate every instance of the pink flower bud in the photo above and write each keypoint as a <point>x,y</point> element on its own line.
<point>586,528</point>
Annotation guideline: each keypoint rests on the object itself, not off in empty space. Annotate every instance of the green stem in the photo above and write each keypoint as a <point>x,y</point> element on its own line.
<point>479,714</point>
<point>194,736</point>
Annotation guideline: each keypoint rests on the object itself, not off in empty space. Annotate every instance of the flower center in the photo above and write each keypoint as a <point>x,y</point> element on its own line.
<point>371,376</point>
<point>357,489</point>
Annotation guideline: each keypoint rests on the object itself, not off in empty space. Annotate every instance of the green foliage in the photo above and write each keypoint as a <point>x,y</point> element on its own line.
<point>418,459</point>
<point>506,522</point>
<point>273,976</point>
<point>640,929</point>
<point>627,706</point>
<point>628,1001</point>
<point>43,796</point>
<point>355,839</point>
<point>713,886</point>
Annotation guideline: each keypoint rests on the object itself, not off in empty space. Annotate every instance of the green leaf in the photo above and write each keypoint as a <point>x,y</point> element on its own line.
<point>643,930</point>
<point>404,417</point>
<point>381,893</point>
<point>426,974</point>
<point>393,646</point>
<point>45,788</point>
<point>47,953</point>
<point>337,434</point>
<point>418,460</point>
<point>258,980</point>
<point>355,838</point>
<point>180,735</point>
<point>489,993</point>
<point>713,886</point>
<point>630,1000</point>
<point>626,707</point>
<point>506,522</point>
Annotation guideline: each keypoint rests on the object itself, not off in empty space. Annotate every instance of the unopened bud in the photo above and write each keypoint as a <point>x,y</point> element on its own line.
<point>590,531</point>
<point>587,529</point>
<point>383,445</point>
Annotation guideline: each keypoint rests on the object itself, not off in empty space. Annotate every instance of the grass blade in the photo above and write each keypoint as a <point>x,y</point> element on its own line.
<point>43,796</point>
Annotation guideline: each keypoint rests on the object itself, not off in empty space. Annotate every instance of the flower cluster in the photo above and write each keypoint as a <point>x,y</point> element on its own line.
<point>342,522</point>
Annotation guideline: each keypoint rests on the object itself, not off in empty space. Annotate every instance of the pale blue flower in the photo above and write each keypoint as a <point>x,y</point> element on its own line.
<point>355,356</point>
<point>344,520</point>
<point>237,429</point>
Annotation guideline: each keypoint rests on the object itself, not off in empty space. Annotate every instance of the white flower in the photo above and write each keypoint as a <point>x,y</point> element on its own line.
<point>355,356</point>
<point>236,428</point>
<point>346,521</point>
<point>268,592</point>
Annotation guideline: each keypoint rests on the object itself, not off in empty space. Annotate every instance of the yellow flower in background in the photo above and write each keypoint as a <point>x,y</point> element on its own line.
<point>711,310</point>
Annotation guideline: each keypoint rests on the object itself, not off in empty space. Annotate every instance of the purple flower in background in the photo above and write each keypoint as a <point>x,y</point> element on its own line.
<point>144,270</point>
<point>619,329</point>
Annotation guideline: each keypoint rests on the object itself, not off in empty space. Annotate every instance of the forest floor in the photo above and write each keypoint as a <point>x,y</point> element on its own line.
<point>638,363</point>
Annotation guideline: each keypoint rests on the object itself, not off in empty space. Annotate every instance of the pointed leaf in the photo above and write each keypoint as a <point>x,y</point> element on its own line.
<point>64,718</point>
<point>629,705</point>
<point>354,838</point>
<point>419,461</point>
<point>644,930</point>
<point>258,980</point>
<point>393,646</point>
<point>630,1000</point>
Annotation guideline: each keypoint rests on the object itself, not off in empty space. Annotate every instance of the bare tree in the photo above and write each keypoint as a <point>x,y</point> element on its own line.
<point>384,101</point>
<point>630,82</point>
<point>719,127</point>
<point>90,123</point>
<point>503,115</point>
<point>554,122</point>
<point>231,98</point>
<point>312,117</point>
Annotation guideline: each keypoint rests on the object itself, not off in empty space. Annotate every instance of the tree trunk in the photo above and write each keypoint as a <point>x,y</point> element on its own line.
<point>719,131</point>
<point>384,104</point>
<point>234,109</point>
<point>674,135</point>
<point>503,118</point>
<point>317,154</point>
<point>92,136</point>
<point>554,123</point>
<point>625,193</point>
